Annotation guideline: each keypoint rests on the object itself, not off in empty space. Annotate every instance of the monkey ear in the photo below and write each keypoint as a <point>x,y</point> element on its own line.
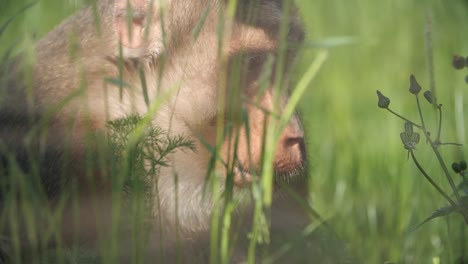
<point>130,19</point>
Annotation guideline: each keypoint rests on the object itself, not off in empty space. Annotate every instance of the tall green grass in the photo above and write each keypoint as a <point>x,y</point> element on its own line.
<point>361,179</point>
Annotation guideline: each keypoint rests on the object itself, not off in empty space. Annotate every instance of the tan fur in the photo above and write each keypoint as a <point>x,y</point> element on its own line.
<point>192,72</point>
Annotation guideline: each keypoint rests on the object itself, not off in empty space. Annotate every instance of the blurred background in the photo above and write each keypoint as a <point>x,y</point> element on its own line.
<point>361,177</point>
<point>362,181</point>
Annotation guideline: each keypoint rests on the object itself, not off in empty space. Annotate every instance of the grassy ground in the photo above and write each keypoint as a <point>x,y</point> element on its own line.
<point>362,180</point>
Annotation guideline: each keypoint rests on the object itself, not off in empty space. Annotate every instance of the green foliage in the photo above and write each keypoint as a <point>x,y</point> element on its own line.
<point>410,139</point>
<point>360,177</point>
<point>137,164</point>
<point>145,156</point>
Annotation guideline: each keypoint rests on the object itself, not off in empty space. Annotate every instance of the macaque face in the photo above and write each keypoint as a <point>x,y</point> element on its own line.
<point>229,81</point>
<point>226,89</point>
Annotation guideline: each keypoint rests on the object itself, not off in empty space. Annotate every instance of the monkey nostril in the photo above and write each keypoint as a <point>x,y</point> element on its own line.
<point>290,141</point>
<point>293,142</point>
<point>293,135</point>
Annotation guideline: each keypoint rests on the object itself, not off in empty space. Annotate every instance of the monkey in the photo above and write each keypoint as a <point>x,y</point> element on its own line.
<point>116,58</point>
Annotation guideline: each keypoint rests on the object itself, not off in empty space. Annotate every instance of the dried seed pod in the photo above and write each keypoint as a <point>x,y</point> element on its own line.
<point>463,165</point>
<point>458,62</point>
<point>409,128</point>
<point>384,101</point>
<point>414,88</point>
<point>409,138</point>
<point>456,167</point>
<point>430,98</point>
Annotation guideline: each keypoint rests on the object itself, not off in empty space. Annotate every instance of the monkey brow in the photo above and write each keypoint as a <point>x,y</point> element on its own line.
<point>270,12</point>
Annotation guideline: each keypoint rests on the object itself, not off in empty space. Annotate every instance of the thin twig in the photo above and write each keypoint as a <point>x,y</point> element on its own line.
<point>407,120</point>
<point>429,53</point>
<point>431,181</point>
<point>446,171</point>
<point>440,124</point>
<point>451,143</point>
<point>423,126</point>
<point>436,151</point>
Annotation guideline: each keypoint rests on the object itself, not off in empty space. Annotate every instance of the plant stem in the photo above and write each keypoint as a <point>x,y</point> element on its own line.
<point>407,120</point>
<point>465,216</point>
<point>423,126</point>
<point>444,167</point>
<point>440,124</point>
<point>436,151</point>
<point>429,52</point>
<point>450,143</point>
<point>431,181</point>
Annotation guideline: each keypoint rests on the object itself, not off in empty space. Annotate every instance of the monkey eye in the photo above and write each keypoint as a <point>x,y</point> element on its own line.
<point>246,67</point>
<point>248,60</point>
<point>256,60</point>
<point>259,61</point>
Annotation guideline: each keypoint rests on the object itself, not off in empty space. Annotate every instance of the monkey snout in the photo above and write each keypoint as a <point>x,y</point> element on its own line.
<point>292,139</point>
<point>291,152</point>
<point>289,159</point>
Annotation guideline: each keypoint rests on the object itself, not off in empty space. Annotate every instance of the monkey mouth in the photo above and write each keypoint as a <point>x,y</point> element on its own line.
<point>293,176</point>
<point>243,176</point>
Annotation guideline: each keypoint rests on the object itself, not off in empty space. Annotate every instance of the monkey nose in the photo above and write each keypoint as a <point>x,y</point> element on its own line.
<point>292,139</point>
<point>293,135</point>
<point>292,142</point>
